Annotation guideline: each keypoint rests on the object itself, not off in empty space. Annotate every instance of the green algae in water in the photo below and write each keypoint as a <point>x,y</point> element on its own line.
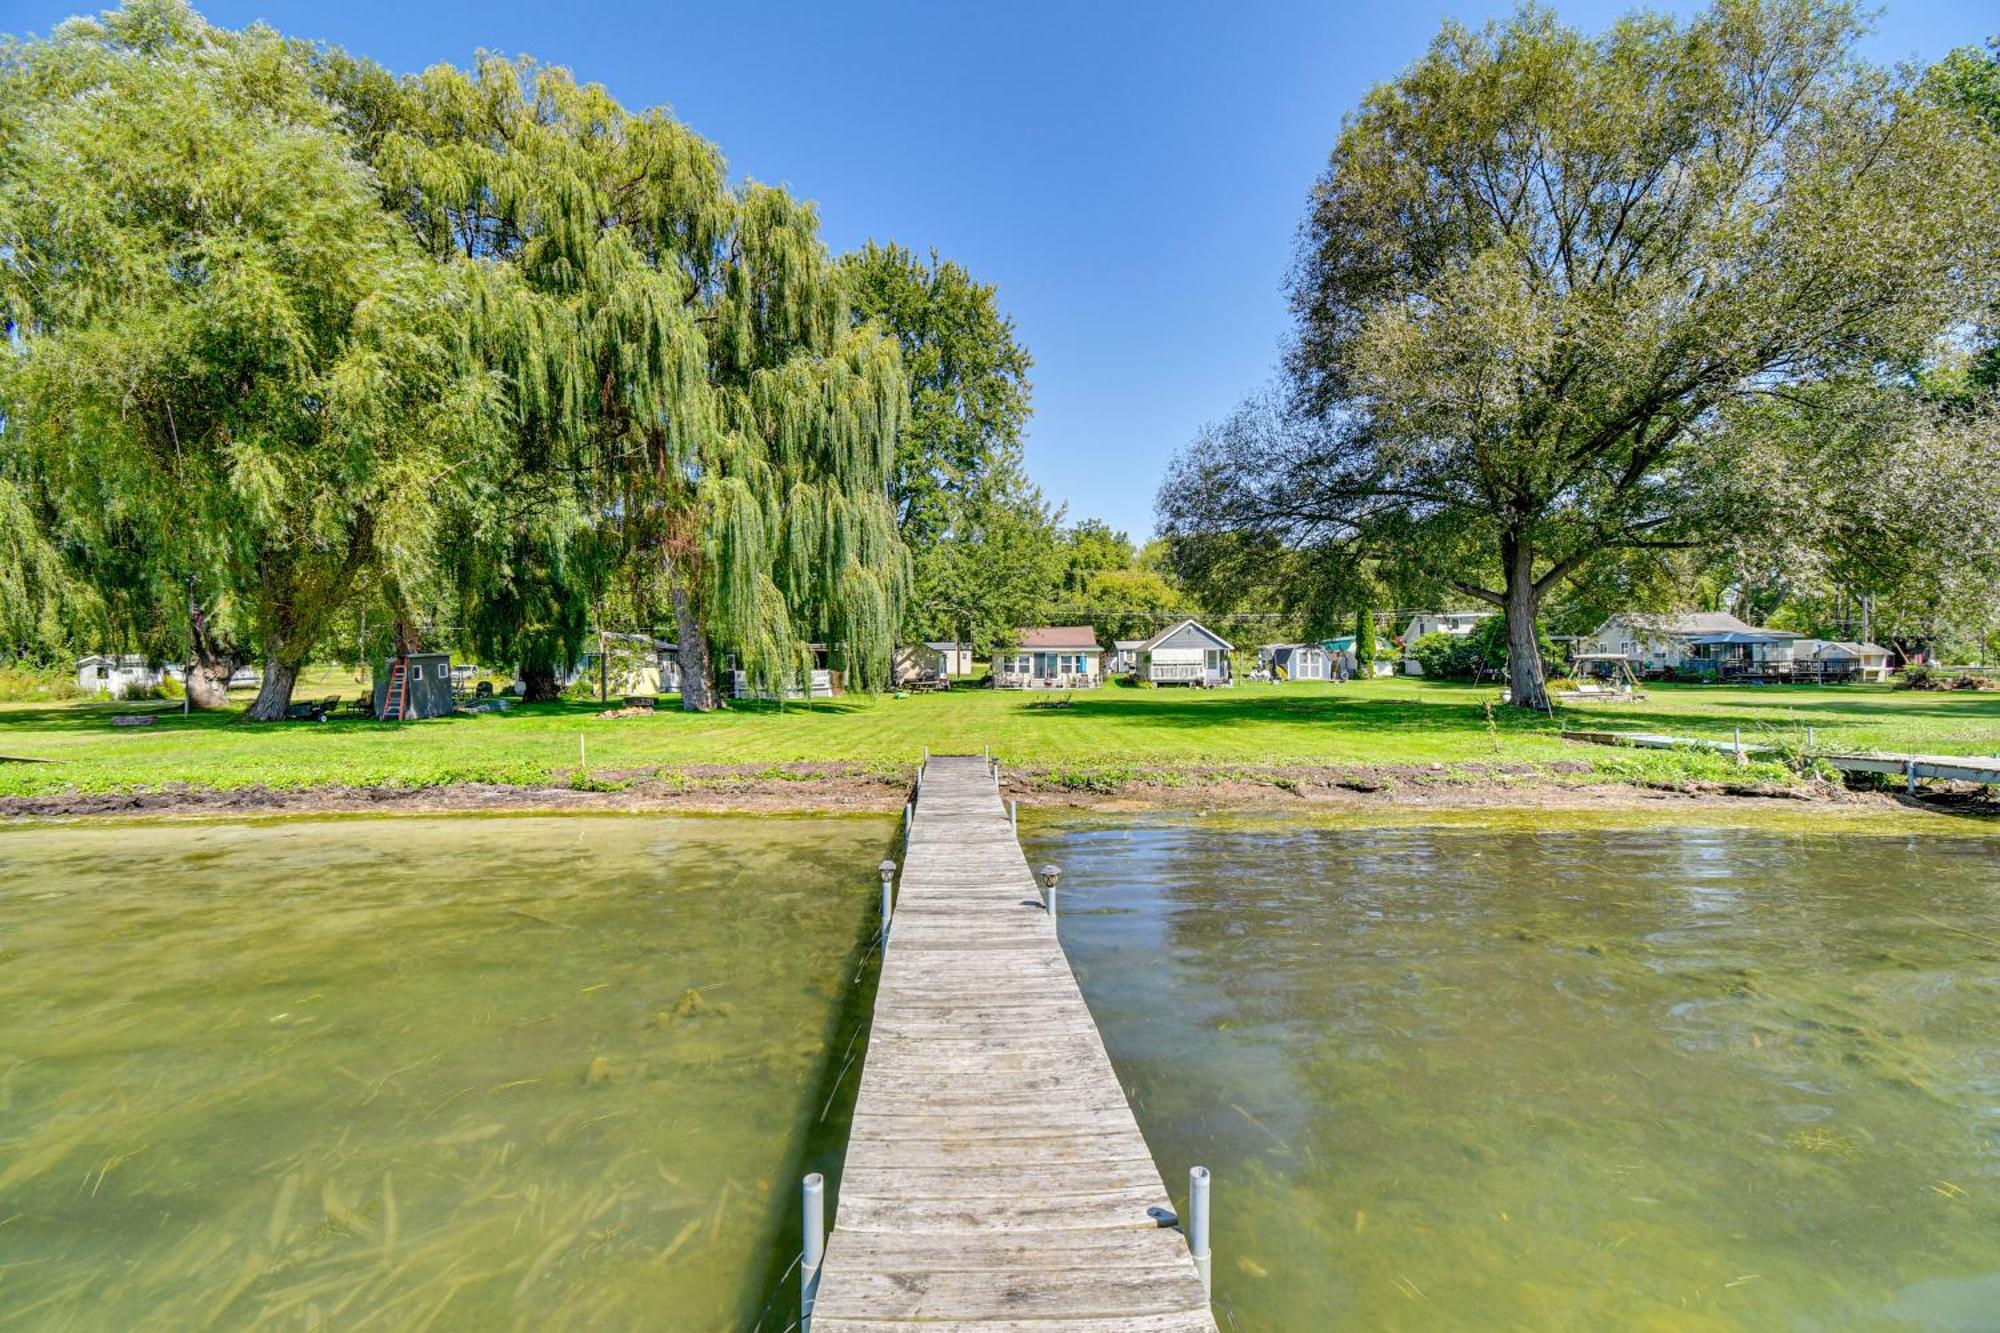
<point>1559,1078</point>
<point>411,1074</point>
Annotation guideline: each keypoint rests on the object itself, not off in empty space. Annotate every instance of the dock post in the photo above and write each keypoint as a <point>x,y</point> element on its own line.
<point>814,1249</point>
<point>1910,772</point>
<point>888,868</point>
<point>1050,874</point>
<point>1809,740</point>
<point>1739,746</point>
<point>906,824</point>
<point>1197,1231</point>
<point>1014,817</point>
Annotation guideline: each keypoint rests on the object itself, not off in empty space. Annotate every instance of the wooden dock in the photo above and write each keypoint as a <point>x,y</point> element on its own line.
<point>995,1178</point>
<point>1910,767</point>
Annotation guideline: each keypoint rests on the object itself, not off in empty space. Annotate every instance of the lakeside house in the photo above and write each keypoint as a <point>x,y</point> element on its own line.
<point>1297,661</point>
<point>1719,644</point>
<point>1051,657</point>
<point>117,676</point>
<point>1686,641</point>
<point>1186,653</point>
<point>1436,622</point>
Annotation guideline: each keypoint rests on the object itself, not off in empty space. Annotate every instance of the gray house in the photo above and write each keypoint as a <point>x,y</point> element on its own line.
<point>1186,653</point>
<point>421,685</point>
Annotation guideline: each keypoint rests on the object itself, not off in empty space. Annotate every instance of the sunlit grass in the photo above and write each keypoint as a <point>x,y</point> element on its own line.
<point>1392,722</point>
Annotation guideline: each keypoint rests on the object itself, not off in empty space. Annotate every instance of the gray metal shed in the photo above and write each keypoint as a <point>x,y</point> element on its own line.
<point>428,685</point>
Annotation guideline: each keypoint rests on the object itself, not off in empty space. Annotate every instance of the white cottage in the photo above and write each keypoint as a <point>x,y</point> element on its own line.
<point>1436,622</point>
<point>116,676</point>
<point>1186,653</point>
<point>955,658</point>
<point>1123,659</point>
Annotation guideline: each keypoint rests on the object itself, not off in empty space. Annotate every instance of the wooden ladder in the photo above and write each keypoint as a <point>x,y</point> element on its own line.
<point>396,700</point>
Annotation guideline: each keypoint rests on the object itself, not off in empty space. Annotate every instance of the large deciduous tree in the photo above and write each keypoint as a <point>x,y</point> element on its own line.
<point>233,377</point>
<point>958,465</point>
<point>1540,265</point>
<point>679,360</point>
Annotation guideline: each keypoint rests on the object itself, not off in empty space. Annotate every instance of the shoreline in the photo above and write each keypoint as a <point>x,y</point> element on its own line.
<point>834,789</point>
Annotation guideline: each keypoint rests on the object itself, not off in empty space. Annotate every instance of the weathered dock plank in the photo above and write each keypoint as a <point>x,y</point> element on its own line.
<point>995,1179</point>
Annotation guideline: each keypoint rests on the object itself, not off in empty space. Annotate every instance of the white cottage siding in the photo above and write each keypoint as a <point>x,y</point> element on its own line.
<point>1186,654</point>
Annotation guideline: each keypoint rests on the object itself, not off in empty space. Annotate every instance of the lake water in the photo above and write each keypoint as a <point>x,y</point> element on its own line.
<point>544,1073</point>
<point>518,1073</point>
<point>1521,1078</point>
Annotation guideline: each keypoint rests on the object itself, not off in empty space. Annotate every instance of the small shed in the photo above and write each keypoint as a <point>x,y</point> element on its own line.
<point>1123,659</point>
<point>918,662</point>
<point>426,686</point>
<point>1301,661</point>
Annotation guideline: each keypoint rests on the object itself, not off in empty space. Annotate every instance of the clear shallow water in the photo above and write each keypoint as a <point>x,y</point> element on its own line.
<point>532,1073</point>
<point>1562,1079</point>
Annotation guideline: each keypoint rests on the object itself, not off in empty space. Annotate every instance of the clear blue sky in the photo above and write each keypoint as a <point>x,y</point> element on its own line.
<point>1130,176</point>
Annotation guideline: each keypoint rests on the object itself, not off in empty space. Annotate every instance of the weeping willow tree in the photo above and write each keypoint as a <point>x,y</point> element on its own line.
<point>678,355</point>
<point>230,371</point>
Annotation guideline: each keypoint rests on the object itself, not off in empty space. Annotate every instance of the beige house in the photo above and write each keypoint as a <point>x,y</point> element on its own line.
<point>1687,640</point>
<point>1051,657</point>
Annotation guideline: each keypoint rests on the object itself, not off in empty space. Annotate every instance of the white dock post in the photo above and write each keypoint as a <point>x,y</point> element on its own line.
<point>888,907</point>
<point>1050,874</point>
<point>814,1249</point>
<point>1809,740</point>
<point>1739,746</point>
<point>1014,817</point>
<point>1910,771</point>
<point>1197,1230</point>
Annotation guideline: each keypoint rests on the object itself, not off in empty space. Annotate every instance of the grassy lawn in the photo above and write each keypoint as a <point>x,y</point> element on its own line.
<point>1395,721</point>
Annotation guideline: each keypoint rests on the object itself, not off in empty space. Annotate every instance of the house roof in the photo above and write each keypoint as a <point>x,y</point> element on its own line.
<point>1179,625</point>
<point>1679,624</point>
<point>1074,637</point>
<point>1745,636</point>
<point>946,646</point>
<point>1127,645</point>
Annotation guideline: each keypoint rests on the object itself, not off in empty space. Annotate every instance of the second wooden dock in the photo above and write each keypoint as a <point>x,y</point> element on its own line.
<point>995,1178</point>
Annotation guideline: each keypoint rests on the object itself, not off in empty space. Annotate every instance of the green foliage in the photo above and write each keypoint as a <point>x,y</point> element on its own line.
<point>1464,656</point>
<point>234,380</point>
<point>1540,265</point>
<point>968,382</point>
<point>679,350</point>
<point>1364,639</point>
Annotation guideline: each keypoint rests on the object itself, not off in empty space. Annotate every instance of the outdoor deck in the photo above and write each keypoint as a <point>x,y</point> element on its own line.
<point>995,1177</point>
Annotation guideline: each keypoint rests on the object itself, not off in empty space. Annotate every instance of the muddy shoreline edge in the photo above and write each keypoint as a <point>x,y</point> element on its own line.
<point>859,789</point>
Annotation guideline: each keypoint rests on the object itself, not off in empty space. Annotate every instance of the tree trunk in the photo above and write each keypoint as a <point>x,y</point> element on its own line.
<point>208,680</point>
<point>1523,612</point>
<point>274,696</point>
<point>209,665</point>
<point>697,674</point>
<point>540,683</point>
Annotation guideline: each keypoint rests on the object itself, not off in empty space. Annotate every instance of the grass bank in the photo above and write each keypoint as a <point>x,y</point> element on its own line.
<point>1363,734</point>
